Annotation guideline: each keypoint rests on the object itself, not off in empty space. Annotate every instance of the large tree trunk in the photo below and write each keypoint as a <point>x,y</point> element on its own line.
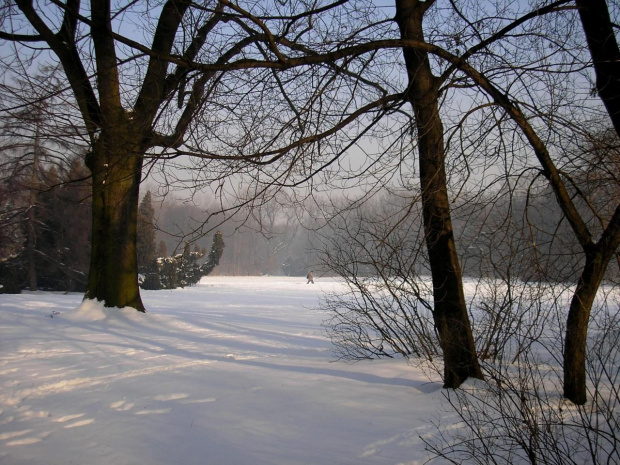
<point>113,275</point>
<point>450,310</point>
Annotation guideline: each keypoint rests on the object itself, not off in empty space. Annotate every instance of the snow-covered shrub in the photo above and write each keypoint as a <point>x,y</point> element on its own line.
<point>184,269</point>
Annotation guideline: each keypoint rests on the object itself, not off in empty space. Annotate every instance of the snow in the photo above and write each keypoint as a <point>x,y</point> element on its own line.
<point>231,371</point>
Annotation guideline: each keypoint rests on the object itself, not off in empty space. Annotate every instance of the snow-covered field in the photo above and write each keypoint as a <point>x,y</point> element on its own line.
<point>232,371</point>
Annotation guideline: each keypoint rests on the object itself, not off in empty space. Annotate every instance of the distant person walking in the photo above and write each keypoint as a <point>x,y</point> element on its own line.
<point>310,278</point>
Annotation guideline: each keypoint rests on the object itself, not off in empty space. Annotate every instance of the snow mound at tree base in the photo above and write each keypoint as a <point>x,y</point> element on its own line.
<point>95,310</point>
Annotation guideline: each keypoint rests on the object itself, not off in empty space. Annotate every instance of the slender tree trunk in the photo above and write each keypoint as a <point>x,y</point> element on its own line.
<point>113,274</point>
<point>575,345</point>
<point>32,231</point>
<point>450,310</point>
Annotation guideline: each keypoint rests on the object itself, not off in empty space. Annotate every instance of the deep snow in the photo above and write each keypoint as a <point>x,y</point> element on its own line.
<point>231,371</point>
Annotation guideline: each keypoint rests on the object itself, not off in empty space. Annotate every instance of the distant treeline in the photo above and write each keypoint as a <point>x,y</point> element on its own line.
<point>45,241</point>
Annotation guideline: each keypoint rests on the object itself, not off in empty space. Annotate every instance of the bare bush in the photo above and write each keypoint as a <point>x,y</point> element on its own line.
<point>388,310</point>
<point>520,417</point>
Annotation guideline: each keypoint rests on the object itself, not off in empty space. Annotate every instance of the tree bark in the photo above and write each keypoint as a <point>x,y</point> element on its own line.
<point>575,345</point>
<point>450,310</point>
<point>116,168</point>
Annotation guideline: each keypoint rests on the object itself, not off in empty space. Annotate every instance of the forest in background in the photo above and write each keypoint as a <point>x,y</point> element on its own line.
<point>46,231</point>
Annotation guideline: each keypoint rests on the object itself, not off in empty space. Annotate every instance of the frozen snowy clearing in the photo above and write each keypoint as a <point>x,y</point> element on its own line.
<point>232,371</point>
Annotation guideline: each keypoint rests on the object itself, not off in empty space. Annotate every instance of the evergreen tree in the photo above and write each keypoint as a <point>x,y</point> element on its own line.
<point>64,228</point>
<point>217,249</point>
<point>184,269</point>
<point>168,273</point>
<point>57,249</point>
<point>145,248</point>
<point>190,270</point>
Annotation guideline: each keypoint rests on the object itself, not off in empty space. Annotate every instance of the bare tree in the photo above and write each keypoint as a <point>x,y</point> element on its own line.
<point>531,87</point>
<point>598,253</point>
<point>450,310</point>
<point>511,85</point>
<point>141,100</point>
<point>603,46</point>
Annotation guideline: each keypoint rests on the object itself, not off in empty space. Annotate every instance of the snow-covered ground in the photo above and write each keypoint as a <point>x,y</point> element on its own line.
<point>232,371</point>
